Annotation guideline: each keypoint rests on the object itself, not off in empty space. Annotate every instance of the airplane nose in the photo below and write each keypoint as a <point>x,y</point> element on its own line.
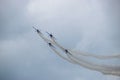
<point>34,28</point>
<point>38,31</point>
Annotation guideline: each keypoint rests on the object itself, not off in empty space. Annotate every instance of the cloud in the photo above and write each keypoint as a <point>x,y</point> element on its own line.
<point>79,22</point>
<point>101,35</point>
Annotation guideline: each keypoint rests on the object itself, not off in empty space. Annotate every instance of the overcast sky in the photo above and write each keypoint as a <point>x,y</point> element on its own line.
<point>86,25</point>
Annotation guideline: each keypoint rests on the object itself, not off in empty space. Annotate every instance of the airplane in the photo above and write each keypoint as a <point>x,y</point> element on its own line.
<point>51,36</point>
<point>38,31</point>
<point>66,51</point>
<point>50,44</point>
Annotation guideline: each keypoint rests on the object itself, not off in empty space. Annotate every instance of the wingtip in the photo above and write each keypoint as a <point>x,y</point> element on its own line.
<point>47,32</point>
<point>34,28</point>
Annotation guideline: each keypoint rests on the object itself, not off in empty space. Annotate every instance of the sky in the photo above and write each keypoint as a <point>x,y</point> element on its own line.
<point>86,25</point>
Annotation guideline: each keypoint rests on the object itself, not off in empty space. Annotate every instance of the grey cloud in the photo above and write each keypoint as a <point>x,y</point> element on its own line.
<point>112,10</point>
<point>70,21</point>
<point>13,18</point>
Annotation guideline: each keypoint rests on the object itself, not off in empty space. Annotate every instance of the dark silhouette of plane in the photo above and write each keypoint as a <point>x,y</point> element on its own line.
<point>67,52</point>
<point>50,44</point>
<point>51,36</point>
<point>37,30</point>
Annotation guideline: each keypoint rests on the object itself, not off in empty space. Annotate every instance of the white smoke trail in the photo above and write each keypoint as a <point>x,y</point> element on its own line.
<point>102,65</point>
<point>89,65</point>
<point>89,55</point>
<point>101,68</point>
<point>68,59</point>
<point>62,48</point>
<point>44,38</point>
<point>72,58</point>
<point>96,56</point>
<point>113,70</point>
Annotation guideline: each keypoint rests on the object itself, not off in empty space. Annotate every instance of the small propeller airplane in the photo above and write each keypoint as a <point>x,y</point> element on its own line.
<point>51,36</point>
<point>66,51</point>
<point>51,45</point>
<point>37,30</point>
